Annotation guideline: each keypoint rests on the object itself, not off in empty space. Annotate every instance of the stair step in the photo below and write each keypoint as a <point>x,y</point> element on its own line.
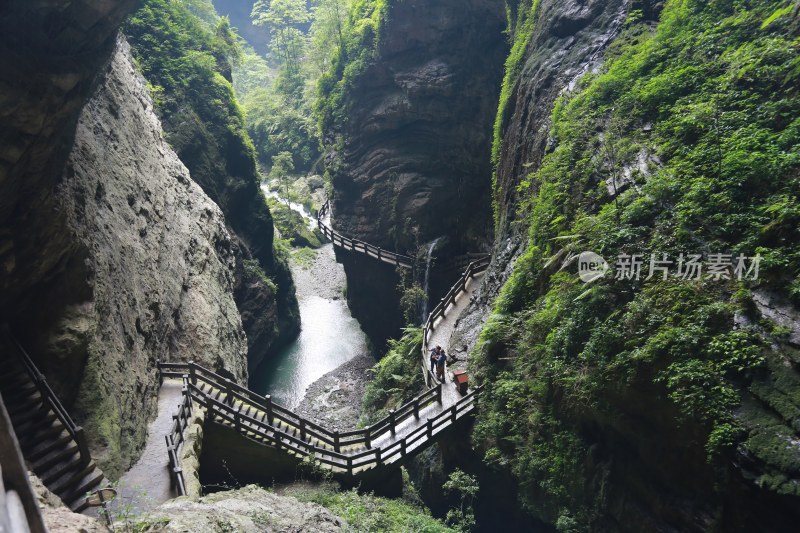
<point>31,439</point>
<point>23,417</point>
<point>34,424</point>
<point>14,375</point>
<point>66,484</point>
<point>14,387</point>
<point>58,471</point>
<point>44,448</point>
<point>76,497</point>
<point>54,457</point>
<point>22,400</point>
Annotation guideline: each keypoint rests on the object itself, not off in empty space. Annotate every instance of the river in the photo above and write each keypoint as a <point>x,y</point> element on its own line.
<point>329,337</point>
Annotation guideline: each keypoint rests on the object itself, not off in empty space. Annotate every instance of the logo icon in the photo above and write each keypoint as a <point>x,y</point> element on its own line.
<point>591,266</point>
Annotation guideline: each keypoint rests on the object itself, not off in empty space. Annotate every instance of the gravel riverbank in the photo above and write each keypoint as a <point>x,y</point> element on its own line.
<point>334,400</point>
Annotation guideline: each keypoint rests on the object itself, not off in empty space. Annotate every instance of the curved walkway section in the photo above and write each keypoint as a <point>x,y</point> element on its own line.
<point>355,245</point>
<point>387,442</point>
<point>148,484</point>
<point>442,320</point>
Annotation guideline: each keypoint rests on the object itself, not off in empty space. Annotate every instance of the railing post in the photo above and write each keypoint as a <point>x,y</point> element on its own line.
<point>378,454</point>
<point>379,254</point>
<point>439,393</point>
<point>302,429</point>
<point>453,413</point>
<point>350,465</point>
<point>392,421</point>
<point>416,405</point>
<point>336,441</point>
<point>367,438</point>
<point>229,393</point>
<point>403,448</point>
<point>192,373</point>
<point>83,446</point>
<point>185,390</point>
<point>270,416</point>
<point>429,428</point>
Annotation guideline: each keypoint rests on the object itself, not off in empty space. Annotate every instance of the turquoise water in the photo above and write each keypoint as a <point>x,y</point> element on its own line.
<point>330,337</point>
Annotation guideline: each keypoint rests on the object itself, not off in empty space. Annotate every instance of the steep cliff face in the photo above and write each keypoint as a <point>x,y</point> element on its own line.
<point>49,57</point>
<point>158,268</point>
<point>555,43</point>
<point>668,403</point>
<point>414,158</point>
<point>408,155</point>
<point>205,126</point>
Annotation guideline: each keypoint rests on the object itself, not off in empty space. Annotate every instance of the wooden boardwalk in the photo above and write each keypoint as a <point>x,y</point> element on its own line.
<point>387,442</point>
<point>355,245</point>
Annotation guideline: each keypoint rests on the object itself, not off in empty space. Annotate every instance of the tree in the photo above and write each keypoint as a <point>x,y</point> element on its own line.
<point>287,41</point>
<point>282,165</point>
<point>326,32</point>
<point>465,488</point>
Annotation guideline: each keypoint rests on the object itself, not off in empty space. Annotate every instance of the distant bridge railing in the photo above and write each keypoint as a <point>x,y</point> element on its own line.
<point>262,420</point>
<point>475,267</point>
<point>356,245</point>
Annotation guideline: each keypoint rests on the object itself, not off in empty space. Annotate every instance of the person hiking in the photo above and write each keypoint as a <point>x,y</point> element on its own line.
<point>434,354</point>
<point>440,360</point>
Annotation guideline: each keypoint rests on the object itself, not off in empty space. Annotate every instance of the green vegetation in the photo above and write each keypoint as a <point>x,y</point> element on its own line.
<point>366,512</point>
<point>465,488</point>
<point>709,101</point>
<point>397,376</point>
<point>357,46</point>
<point>293,227</point>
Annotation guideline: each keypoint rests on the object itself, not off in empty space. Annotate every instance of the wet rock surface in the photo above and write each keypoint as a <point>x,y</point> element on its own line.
<point>568,41</point>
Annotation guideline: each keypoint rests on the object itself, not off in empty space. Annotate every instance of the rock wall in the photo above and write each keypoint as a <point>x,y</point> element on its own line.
<point>568,40</point>
<point>413,164</point>
<point>50,53</point>
<point>157,268</point>
<point>206,128</point>
<point>644,465</point>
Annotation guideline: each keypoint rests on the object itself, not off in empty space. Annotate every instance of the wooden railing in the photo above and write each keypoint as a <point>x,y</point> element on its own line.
<point>50,400</point>
<point>180,421</point>
<point>356,245</point>
<point>260,419</point>
<point>439,311</point>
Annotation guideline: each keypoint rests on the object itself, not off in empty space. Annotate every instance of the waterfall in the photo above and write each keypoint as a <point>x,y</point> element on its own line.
<point>427,277</point>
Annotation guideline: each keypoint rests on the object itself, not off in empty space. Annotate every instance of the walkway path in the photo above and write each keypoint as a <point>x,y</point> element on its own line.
<point>355,245</point>
<point>442,328</point>
<point>148,484</point>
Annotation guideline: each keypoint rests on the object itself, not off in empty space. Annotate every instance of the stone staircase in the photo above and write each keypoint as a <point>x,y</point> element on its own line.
<point>54,447</point>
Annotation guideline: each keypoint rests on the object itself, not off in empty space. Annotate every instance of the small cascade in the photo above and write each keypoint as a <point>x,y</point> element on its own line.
<point>427,278</point>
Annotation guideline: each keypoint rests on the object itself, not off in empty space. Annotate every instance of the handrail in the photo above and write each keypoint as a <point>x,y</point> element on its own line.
<point>353,245</point>
<point>48,396</point>
<point>449,299</point>
<point>348,452</point>
<point>180,421</point>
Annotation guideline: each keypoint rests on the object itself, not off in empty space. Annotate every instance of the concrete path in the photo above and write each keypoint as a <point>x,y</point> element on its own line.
<point>147,484</point>
<point>440,335</point>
